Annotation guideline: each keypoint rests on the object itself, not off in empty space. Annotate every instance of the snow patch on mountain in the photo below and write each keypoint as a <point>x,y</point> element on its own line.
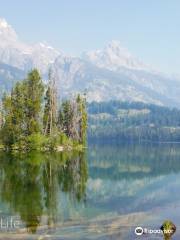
<point>113,57</point>
<point>112,73</point>
<point>21,55</point>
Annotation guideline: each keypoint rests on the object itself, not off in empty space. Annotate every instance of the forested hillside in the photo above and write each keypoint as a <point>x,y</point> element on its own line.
<point>122,121</point>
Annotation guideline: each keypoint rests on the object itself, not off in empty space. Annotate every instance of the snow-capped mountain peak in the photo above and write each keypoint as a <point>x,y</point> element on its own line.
<point>105,74</point>
<point>115,48</point>
<point>113,57</point>
<point>22,55</point>
<point>6,31</point>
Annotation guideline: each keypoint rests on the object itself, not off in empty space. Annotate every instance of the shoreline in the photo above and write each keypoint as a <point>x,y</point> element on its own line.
<point>60,148</point>
<point>96,141</point>
<point>102,226</point>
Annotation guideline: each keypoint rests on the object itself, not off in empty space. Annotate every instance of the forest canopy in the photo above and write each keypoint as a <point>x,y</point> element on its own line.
<point>32,118</point>
<point>132,121</point>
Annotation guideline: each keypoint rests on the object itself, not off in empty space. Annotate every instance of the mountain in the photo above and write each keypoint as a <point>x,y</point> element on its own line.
<point>113,57</point>
<point>104,83</point>
<point>111,73</point>
<point>21,55</point>
<point>9,76</point>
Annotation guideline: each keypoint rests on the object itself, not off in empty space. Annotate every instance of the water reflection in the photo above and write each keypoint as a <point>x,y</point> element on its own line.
<point>30,184</point>
<point>134,160</point>
<point>133,178</point>
<point>113,187</point>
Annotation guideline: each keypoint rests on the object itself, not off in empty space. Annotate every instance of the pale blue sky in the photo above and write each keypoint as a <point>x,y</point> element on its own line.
<point>149,29</point>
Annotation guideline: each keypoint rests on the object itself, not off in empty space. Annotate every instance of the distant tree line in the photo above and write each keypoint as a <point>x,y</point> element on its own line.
<point>32,118</point>
<point>129,121</point>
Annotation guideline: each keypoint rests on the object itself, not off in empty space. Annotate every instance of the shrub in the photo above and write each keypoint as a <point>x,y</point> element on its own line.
<point>36,141</point>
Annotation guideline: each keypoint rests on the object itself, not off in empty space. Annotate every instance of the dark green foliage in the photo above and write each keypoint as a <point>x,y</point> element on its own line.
<point>34,94</point>
<point>21,110</point>
<point>26,124</point>
<point>125,121</point>
<point>50,109</point>
<point>48,118</point>
<point>66,117</point>
<point>82,113</point>
<point>73,119</point>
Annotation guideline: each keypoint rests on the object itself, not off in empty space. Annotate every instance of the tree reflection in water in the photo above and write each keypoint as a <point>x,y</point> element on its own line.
<point>30,184</point>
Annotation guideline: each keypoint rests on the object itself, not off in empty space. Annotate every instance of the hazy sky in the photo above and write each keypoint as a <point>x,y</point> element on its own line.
<point>149,29</point>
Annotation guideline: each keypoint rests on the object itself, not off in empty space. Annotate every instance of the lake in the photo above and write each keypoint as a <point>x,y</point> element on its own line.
<point>104,193</point>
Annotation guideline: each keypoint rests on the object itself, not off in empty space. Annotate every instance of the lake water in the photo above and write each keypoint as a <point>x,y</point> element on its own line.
<point>101,194</point>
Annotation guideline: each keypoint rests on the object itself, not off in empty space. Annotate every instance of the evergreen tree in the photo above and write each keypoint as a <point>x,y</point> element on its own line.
<point>22,109</point>
<point>82,113</point>
<point>14,111</point>
<point>73,119</point>
<point>25,121</point>
<point>34,96</point>
<point>66,116</point>
<point>8,133</point>
<point>50,110</point>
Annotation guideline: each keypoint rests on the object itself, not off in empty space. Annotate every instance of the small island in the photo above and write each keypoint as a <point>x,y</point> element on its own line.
<point>32,118</point>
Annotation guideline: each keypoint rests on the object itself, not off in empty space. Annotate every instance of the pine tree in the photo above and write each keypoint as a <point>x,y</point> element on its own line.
<point>82,117</point>
<point>8,133</point>
<point>67,117</point>
<point>14,126</point>
<point>22,109</point>
<point>24,123</point>
<point>50,110</point>
<point>34,96</point>
<point>73,119</point>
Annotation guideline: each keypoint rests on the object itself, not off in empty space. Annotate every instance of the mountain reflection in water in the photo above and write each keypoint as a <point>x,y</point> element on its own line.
<point>99,194</point>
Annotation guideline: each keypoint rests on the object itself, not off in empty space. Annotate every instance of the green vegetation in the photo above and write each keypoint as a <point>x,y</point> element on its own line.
<point>30,118</point>
<point>35,180</point>
<point>123,121</point>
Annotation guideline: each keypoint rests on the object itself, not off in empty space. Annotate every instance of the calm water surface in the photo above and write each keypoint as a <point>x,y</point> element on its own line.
<point>101,194</point>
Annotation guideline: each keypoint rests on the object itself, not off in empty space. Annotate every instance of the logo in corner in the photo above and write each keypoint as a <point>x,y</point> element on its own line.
<point>139,231</point>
